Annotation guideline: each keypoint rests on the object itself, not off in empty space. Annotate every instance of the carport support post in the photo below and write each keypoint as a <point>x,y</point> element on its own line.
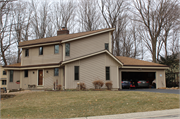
<point>157,74</point>
<point>120,79</point>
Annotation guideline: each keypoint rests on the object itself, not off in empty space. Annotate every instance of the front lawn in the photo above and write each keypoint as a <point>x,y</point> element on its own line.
<point>84,103</point>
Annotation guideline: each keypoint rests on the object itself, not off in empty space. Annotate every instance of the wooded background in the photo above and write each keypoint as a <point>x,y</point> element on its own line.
<point>144,29</point>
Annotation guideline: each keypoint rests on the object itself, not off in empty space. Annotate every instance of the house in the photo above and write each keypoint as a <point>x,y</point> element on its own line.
<point>3,77</point>
<point>67,59</point>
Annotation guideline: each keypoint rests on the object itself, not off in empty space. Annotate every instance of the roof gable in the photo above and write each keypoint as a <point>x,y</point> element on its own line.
<point>90,55</point>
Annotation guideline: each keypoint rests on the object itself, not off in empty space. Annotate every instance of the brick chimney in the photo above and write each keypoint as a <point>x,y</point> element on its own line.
<point>62,31</point>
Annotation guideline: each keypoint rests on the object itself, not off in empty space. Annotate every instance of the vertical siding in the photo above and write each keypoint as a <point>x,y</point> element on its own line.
<point>49,78</point>
<point>88,45</point>
<point>30,80</point>
<point>160,79</point>
<point>25,80</point>
<point>16,77</point>
<point>91,69</point>
<point>61,77</point>
<point>47,57</point>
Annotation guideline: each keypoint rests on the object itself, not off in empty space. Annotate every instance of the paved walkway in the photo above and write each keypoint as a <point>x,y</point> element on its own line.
<point>173,91</point>
<point>163,114</point>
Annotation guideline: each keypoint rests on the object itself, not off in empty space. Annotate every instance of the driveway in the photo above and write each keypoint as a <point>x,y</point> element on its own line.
<point>155,90</point>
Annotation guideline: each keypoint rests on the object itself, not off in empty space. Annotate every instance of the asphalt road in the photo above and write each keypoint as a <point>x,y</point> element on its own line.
<point>155,90</point>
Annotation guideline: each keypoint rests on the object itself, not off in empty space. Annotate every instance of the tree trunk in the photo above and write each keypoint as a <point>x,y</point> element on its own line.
<point>154,52</point>
<point>19,53</point>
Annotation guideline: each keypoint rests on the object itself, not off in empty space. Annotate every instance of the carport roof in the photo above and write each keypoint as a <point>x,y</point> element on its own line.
<point>135,62</point>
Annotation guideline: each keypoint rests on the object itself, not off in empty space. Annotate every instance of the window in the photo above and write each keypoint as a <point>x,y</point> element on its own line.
<point>26,52</point>
<point>56,49</point>
<point>56,71</point>
<point>67,49</point>
<point>76,72</point>
<point>107,73</point>
<point>40,50</point>
<point>11,76</point>
<point>106,46</point>
<point>25,73</point>
<point>3,82</point>
<point>4,72</point>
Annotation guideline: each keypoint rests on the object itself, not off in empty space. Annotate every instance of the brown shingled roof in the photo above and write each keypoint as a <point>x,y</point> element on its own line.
<point>60,38</point>
<point>135,62</point>
<point>15,65</point>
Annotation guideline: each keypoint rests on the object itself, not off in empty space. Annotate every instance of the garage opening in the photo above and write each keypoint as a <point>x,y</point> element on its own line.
<point>140,79</point>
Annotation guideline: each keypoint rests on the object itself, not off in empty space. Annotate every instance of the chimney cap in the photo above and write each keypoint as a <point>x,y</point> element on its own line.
<point>63,28</point>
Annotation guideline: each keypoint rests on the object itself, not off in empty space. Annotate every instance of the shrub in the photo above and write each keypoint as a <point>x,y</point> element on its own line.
<point>98,84</point>
<point>109,85</point>
<point>82,86</point>
<point>58,87</point>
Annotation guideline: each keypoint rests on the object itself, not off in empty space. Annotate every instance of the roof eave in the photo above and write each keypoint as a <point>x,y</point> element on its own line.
<point>143,67</point>
<point>63,41</point>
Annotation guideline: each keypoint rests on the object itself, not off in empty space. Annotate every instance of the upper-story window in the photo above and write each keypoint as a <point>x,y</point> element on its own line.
<point>40,50</point>
<point>106,46</point>
<point>4,72</point>
<point>26,52</point>
<point>67,49</point>
<point>56,49</point>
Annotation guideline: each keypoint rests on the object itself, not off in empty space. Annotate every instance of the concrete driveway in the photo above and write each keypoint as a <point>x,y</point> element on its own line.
<point>155,90</point>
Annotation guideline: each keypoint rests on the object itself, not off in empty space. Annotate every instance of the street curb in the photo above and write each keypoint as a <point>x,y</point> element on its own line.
<point>137,115</point>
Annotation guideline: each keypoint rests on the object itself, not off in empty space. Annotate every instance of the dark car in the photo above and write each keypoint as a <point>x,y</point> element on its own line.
<point>126,84</point>
<point>143,83</point>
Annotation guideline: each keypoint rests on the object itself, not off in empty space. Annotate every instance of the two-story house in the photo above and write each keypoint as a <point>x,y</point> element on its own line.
<point>71,58</point>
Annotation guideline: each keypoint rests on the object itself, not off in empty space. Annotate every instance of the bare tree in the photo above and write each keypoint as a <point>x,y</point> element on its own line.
<point>113,11</point>
<point>175,43</point>
<point>64,14</point>
<point>153,17</point>
<point>22,20</point>
<point>88,15</point>
<point>128,41</point>
<point>5,29</point>
<point>41,18</point>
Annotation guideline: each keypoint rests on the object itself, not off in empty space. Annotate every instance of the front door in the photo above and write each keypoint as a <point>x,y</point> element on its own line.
<point>40,77</point>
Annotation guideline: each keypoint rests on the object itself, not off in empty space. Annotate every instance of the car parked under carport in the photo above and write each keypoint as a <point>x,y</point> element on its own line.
<point>141,79</point>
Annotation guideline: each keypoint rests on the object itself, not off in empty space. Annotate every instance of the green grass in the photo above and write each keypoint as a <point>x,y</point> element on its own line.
<point>84,103</point>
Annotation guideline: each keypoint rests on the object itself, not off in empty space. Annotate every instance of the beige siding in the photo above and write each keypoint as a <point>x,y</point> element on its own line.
<point>91,69</point>
<point>88,45</point>
<point>47,57</point>
<point>16,77</point>
<point>2,77</point>
<point>160,76</point>
<point>48,80</point>
<point>160,79</point>
<point>30,80</point>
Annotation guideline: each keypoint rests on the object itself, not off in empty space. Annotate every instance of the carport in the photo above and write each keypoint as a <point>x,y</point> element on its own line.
<point>135,76</point>
<point>137,69</point>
